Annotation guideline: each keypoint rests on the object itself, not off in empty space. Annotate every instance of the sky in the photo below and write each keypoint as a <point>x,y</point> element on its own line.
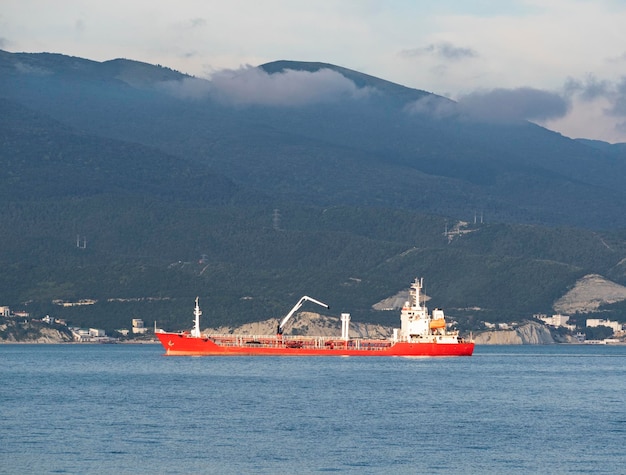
<point>559,63</point>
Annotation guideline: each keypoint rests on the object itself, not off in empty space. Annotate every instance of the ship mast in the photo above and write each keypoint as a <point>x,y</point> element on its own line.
<point>415,293</point>
<point>195,332</point>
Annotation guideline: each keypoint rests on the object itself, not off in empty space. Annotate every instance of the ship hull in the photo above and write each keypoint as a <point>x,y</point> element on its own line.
<point>183,344</point>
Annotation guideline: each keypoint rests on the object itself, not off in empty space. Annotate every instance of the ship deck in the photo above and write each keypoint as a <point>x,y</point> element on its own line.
<point>318,343</point>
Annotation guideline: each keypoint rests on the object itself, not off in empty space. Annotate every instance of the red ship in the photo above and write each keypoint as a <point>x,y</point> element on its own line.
<point>420,334</point>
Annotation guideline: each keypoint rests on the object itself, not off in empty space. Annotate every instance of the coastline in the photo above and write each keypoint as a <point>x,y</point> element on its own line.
<point>526,333</point>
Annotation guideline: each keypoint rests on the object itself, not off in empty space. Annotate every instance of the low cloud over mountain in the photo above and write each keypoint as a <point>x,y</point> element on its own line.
<point>253,86</point>
<point>506,105</point>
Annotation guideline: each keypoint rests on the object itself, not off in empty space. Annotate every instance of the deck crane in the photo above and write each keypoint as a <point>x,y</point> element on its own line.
<point>281,325</point>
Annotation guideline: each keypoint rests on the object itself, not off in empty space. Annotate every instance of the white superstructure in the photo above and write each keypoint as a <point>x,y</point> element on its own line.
<point>417,325</point>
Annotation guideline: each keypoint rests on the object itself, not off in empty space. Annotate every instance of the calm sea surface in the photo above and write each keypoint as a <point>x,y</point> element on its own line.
<point>129,409</point>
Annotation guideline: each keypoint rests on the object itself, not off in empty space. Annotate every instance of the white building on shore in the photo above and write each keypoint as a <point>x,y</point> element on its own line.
<point>598,322</point>
<point>138,327</point>
<point>556,321</point>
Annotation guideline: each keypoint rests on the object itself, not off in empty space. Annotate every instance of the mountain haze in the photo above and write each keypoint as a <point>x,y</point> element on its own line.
<point>263,184</point>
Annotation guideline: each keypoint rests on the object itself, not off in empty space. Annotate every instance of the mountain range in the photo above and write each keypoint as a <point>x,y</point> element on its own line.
<point>140,187</point>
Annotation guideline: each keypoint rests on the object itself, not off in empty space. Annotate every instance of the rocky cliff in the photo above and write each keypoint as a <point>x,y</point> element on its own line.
<point>589,293</point>
<point>529,333</point>
<point>19,331</point>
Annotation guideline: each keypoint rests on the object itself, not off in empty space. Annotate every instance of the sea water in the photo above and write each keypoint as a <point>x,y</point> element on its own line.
<point>129,409</point>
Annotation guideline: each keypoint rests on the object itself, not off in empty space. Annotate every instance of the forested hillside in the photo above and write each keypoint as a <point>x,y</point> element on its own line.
<point>115,189</point>
<point>149,259</point>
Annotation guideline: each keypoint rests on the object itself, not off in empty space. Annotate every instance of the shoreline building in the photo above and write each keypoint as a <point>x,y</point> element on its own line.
<point>556,321</point>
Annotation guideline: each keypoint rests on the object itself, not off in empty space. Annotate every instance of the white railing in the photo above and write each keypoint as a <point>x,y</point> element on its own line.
<point>296,341</point>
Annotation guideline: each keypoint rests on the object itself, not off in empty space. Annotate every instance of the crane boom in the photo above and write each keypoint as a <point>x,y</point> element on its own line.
<point>295,308</point>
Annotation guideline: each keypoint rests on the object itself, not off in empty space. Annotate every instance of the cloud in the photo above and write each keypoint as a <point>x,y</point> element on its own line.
<point>598,109</point>
<point>187,88</point>
<point>253,86</point>
<point>618,107</point>
<point>617,59</point>
<point>587,89</point>
<point>442,50</point>
<point>497,105</point>
<point>434,106</point>
<point>28,69</point>
<point>592,89</point>
<point>509,105</point>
